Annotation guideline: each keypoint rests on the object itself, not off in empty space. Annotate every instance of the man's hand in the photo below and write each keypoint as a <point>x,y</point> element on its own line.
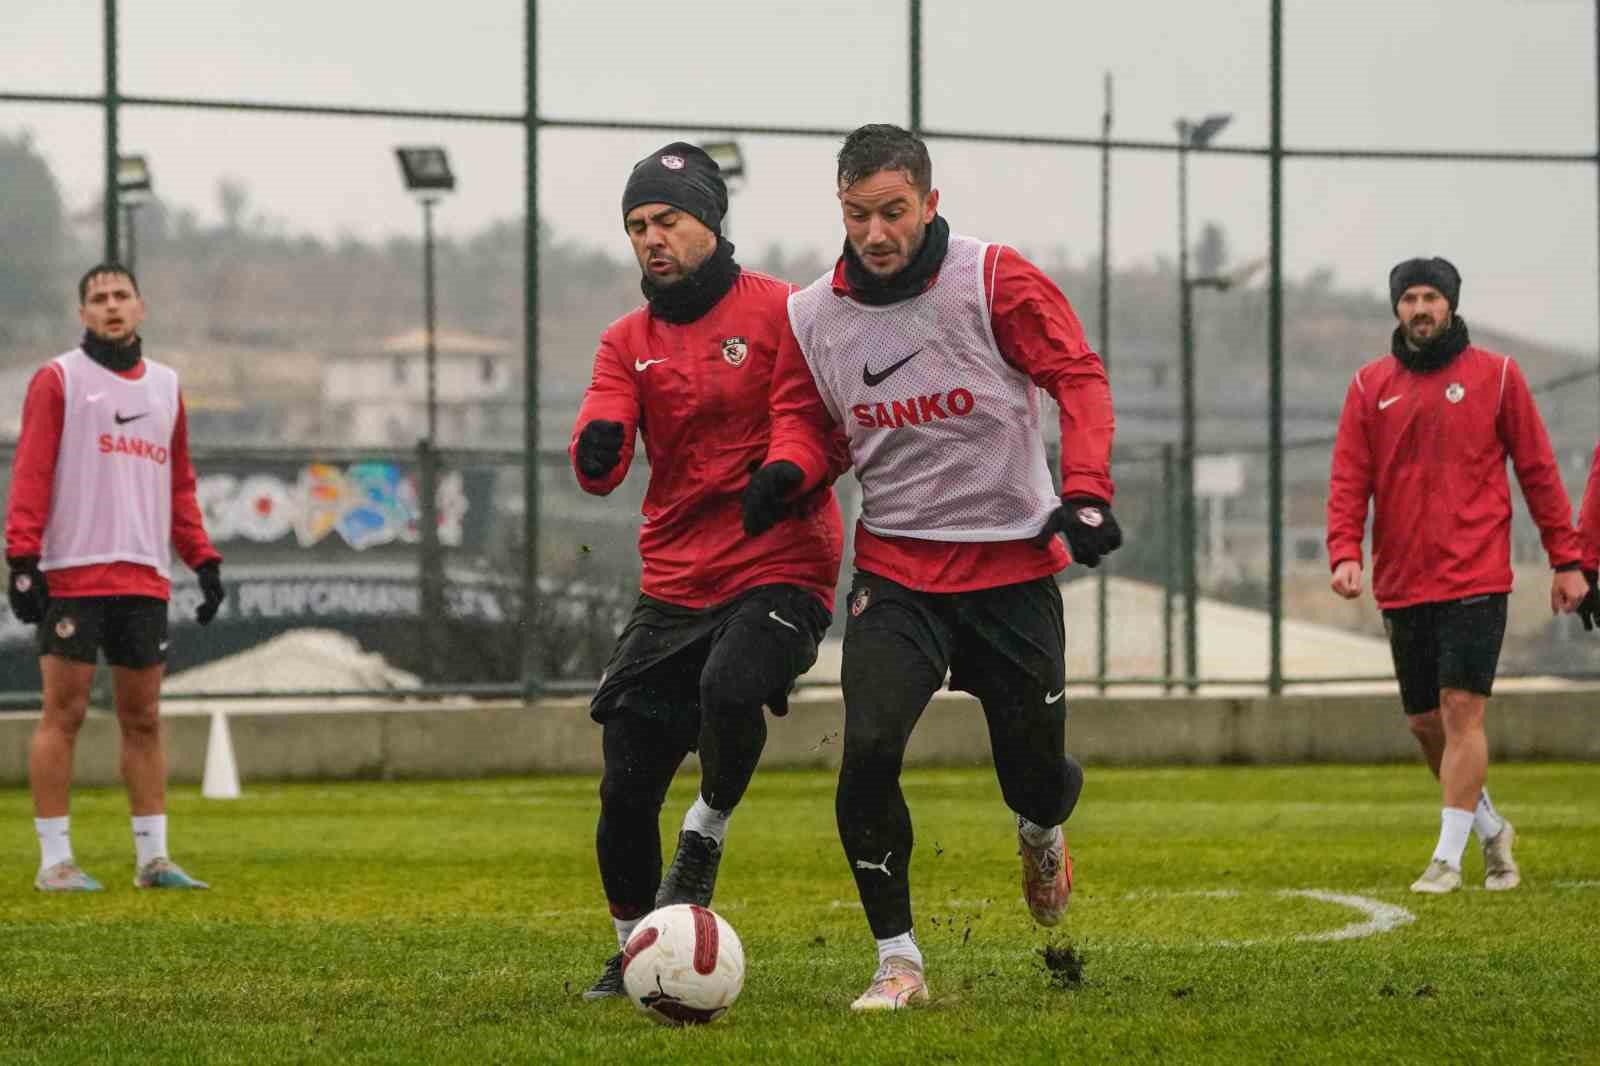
<point>1568,588</point>
<point>1088,525</point>
<point>765,501</point>
<point>28,590</point>
<point>210,575</point>
<point>1347,579</point>
<point>1589,606</point>
<point>599,448</point>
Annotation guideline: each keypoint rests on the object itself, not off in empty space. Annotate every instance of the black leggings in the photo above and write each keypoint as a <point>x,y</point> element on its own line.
<point>735,670</point>
<point>1004,647</point>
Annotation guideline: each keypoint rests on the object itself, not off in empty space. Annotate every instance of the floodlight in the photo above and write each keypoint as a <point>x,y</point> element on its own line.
<point>426,169</point>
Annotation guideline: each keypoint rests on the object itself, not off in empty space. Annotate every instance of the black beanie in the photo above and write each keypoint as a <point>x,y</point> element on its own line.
<point>1440,273</point>
<point>683,175</point>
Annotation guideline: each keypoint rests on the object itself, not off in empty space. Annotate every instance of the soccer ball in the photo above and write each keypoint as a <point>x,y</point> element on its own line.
<point>683,965</point>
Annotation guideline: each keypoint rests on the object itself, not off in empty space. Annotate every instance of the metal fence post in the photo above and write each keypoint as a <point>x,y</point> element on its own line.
<point>1103,578</point>
<point>531,680</point>
<point>1169,465</point>
<point>1275,367</point>
<point>112,101</point>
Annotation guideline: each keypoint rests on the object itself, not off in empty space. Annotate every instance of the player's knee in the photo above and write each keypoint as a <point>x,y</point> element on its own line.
<point>1426,727</point>
<point>1461,710</point>
<point>735,690</point>
<point>139,724</point>
<point>619,795</point>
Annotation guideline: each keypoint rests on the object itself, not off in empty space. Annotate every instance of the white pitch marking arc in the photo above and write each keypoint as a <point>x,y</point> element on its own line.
<point>1380,917</point>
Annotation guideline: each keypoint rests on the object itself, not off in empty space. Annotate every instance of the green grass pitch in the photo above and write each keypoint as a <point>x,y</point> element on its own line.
<point>458,921</point>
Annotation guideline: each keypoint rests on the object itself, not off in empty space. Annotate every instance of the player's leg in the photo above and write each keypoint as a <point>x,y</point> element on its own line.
<point>68,649</point>
<point>135,642</point>
<point>1011,655</point>
<point>641,753</point>
<point>895,654</point>
<point>1414,646</point>
<point>1471,635</point>
<point>769,638</point>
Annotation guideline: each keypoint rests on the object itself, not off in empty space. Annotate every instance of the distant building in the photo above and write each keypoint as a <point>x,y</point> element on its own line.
<point>381,397</point>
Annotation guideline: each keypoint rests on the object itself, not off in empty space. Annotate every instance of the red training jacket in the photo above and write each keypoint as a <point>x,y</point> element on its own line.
<point>1037,331</point>
<point>1430,450</point>
<point>33,471</point>
<point>1589,516</point>
<point>697,392</point>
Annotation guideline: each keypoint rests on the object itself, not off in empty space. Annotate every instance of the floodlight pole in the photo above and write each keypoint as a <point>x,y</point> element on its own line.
<point>432,570</point>
<point>130,236</point>
<point>1186,518</point>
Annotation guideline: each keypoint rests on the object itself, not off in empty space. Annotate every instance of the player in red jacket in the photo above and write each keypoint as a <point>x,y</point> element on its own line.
<point>1425,434</point>
<point>1589,536</point>
<point>722,627</point>
<point>102,490</point>
<point>929,349</point>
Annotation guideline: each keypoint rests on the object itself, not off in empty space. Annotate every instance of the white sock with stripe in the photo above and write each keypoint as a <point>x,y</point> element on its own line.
<point>55,841</point>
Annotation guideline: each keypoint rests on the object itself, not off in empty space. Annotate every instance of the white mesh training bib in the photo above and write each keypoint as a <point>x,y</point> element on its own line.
<point>112,496</point>
<point>944,433</point>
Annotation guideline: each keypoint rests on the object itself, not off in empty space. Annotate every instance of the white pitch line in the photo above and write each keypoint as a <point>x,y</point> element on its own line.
<point>1381,917</point>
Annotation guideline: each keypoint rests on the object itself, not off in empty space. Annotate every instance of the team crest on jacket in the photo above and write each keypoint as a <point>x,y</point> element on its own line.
<point>1454,392</point>
<point>859,602</point>
<point>735,350</point>
<point>65,628</point>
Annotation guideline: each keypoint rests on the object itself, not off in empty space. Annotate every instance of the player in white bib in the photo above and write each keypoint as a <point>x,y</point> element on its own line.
<point>930,350</point>
<point>102,491</point>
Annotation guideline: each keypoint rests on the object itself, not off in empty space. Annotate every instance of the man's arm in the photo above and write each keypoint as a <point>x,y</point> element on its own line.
<point>1589,516</point>
<point>1351,480</point>
<point>33,467</point>
<point>188,528</point>
<point>803,431</point>
<point>612,397</point>
<point>1037,332</point>
<point>1523,432</point>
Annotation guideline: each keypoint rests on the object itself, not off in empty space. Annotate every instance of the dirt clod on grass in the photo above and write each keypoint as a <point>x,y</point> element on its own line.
<point>1064,964</point>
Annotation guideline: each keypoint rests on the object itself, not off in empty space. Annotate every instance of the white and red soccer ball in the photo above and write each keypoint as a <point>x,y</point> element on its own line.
<point>683,965</point>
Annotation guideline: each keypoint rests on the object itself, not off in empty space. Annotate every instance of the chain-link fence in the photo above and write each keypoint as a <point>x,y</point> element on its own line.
<point>283,266</point>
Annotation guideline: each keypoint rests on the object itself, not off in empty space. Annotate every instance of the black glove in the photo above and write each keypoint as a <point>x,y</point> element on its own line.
<point>599,448</point>
<point>1089,527</point>
<point>210,575</point>
<point>28,591</point>
<point>1589,606</point>
<point>764,503</point>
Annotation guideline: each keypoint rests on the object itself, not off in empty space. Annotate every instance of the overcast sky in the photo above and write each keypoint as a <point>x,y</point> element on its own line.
<point>1508,74</point>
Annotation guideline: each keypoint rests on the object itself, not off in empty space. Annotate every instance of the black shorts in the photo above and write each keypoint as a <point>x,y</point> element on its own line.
<point>662,652</point>
<point>1016,630</point>
<point>131,630</point>
<point>1455,644</point>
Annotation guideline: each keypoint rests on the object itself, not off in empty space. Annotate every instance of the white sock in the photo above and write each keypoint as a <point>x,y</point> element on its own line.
<point>1454,826</point>
<point>55,843</point>
<point>705,821</point>
<point>149,838</point>
<point>903,946</point>
<point>1038,836</point>
<point>624,928</point>
<point>1486,821</point>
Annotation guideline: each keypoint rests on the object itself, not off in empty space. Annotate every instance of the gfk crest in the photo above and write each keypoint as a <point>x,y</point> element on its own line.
<point>735,350</point>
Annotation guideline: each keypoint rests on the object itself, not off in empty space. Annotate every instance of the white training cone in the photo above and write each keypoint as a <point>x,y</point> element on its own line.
<point>221,781</point>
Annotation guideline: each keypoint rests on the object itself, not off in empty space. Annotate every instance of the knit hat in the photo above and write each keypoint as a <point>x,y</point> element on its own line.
<point>1440,273</point>
<point>683,175</point>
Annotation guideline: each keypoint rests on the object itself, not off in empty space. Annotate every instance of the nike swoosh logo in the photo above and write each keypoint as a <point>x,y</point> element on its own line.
<point>642,367</point>
<point>1048,698</point>
<point>163,645</point>
<point>782,621</point>
<point>121,421</point>
<point>1385,403</point>
<point>93,397</point>
<point>871,379</point>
